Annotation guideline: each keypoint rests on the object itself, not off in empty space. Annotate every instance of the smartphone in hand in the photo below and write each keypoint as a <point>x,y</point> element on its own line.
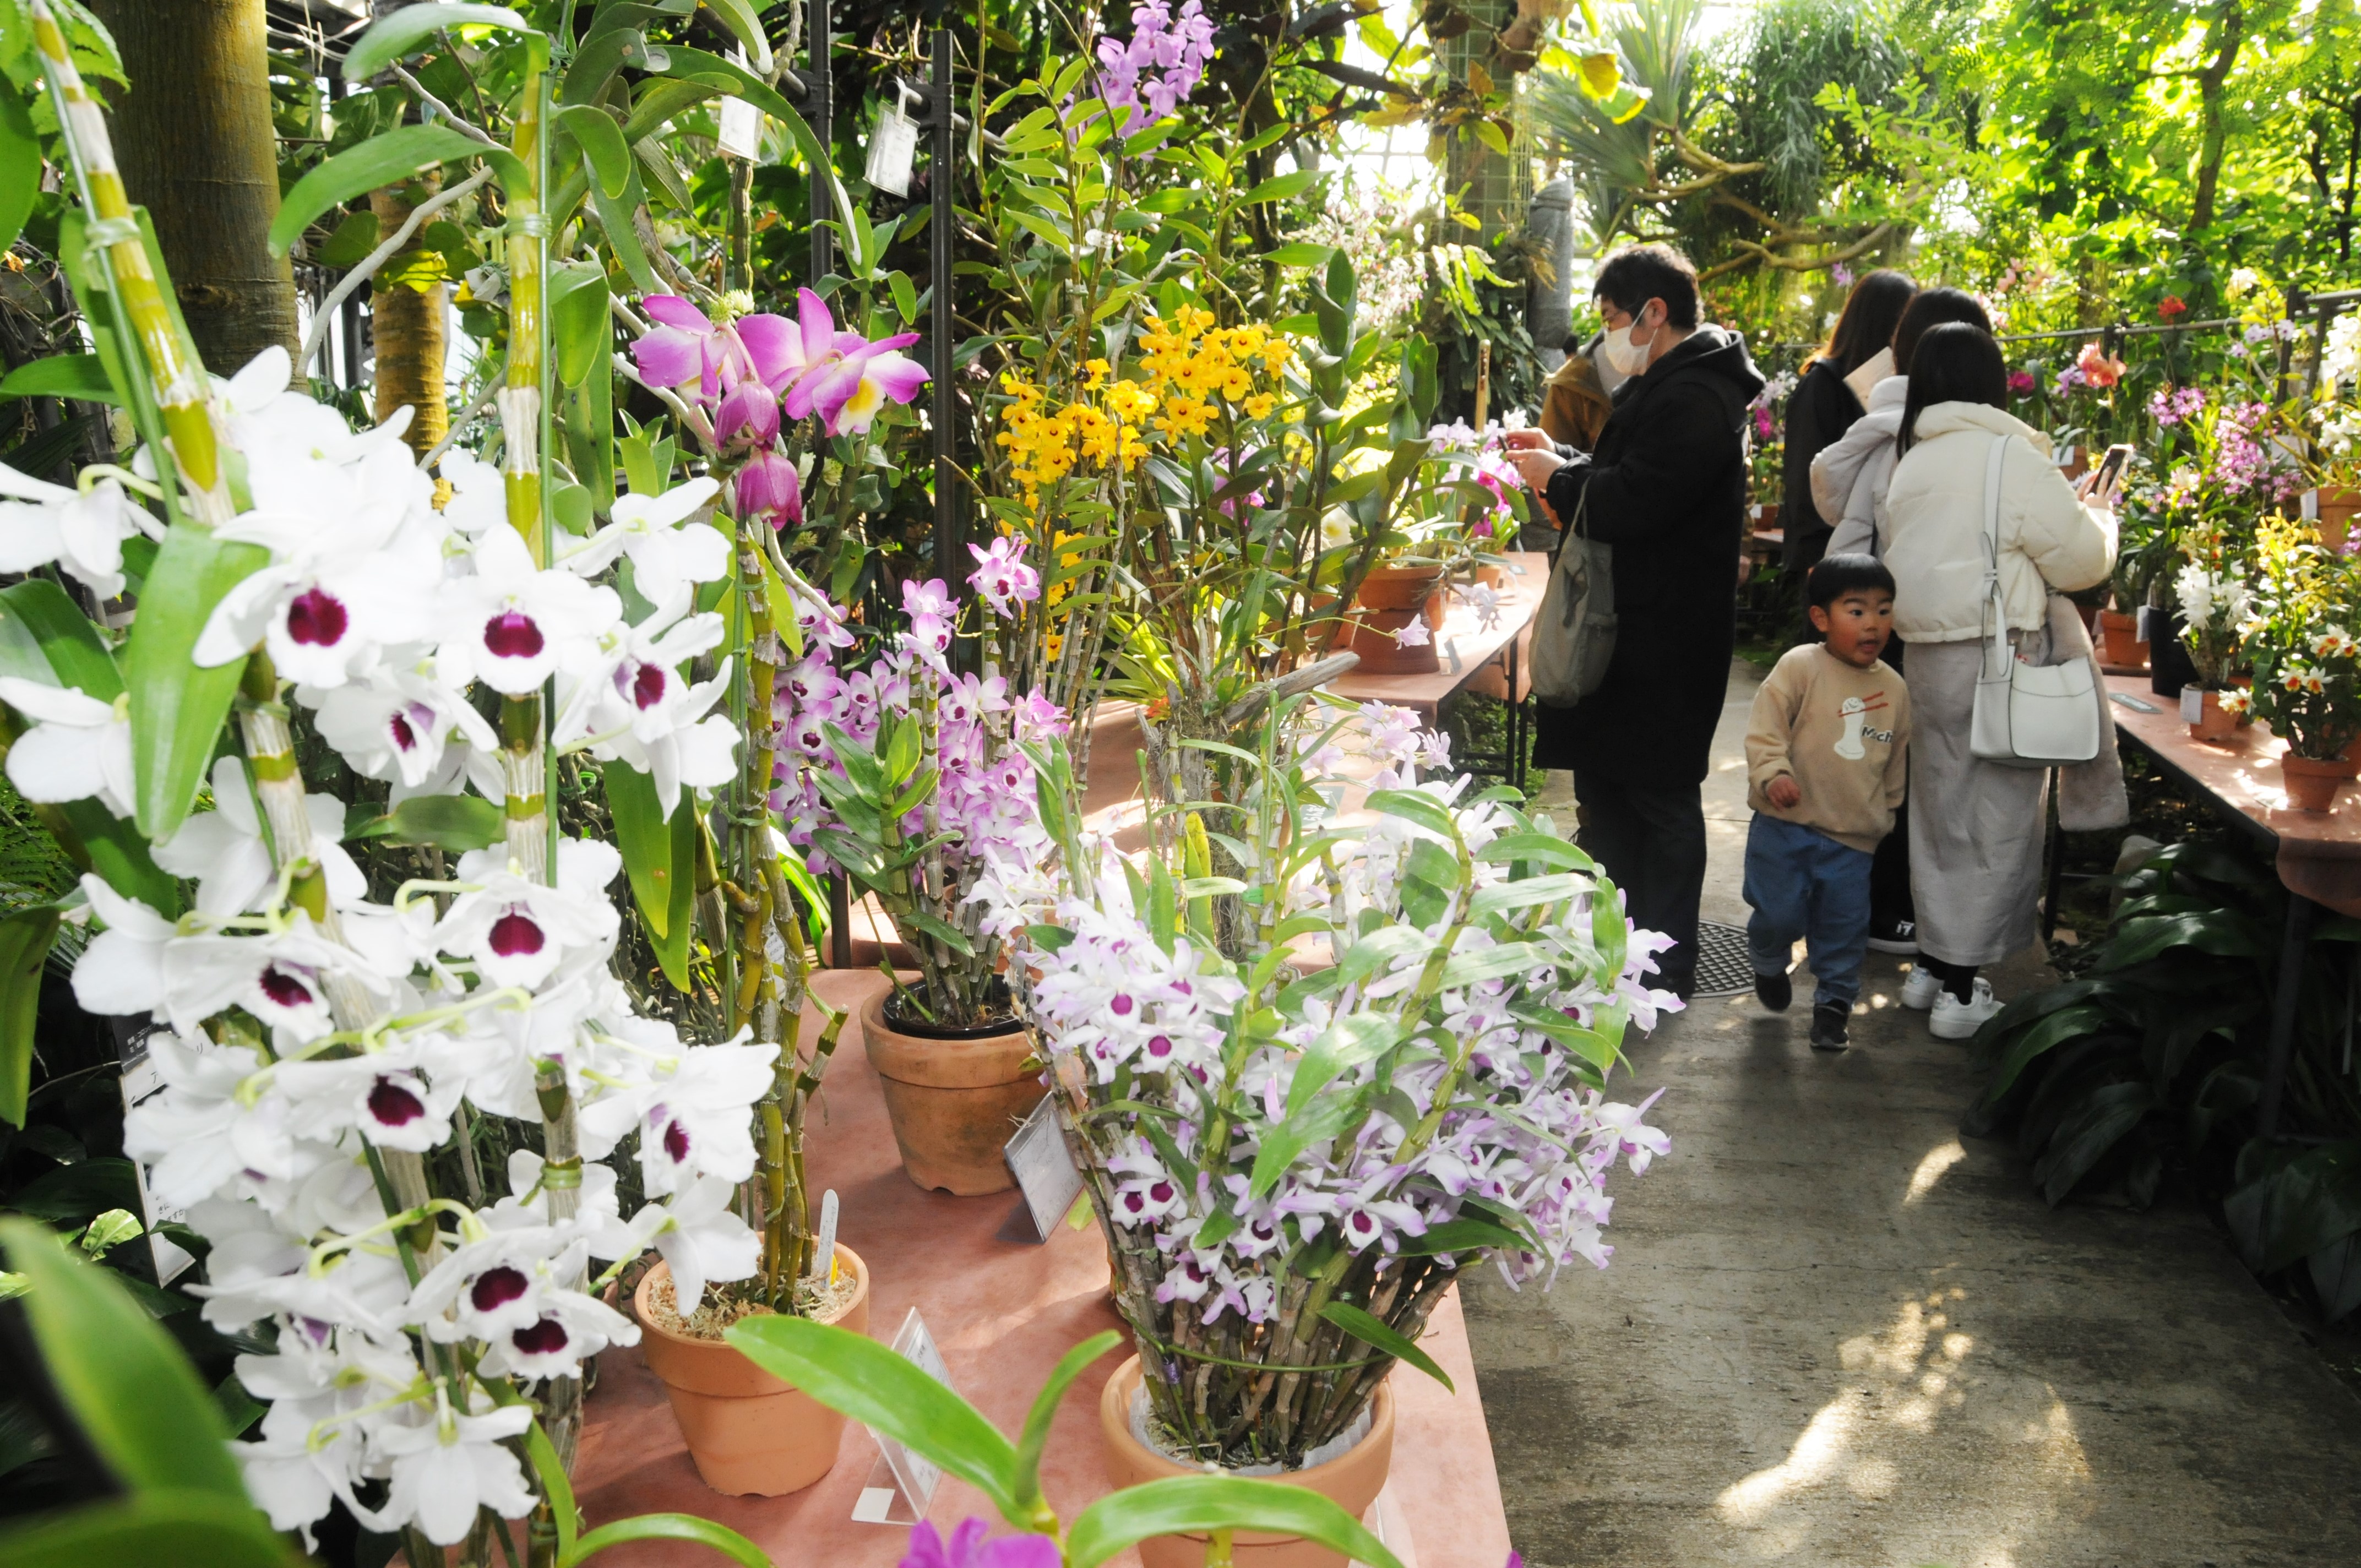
<point>2108,480</point>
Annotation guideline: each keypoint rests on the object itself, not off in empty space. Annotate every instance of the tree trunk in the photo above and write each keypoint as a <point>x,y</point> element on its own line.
<point>195,140</point>
<point>2228,35</point>
<point>408,327</point>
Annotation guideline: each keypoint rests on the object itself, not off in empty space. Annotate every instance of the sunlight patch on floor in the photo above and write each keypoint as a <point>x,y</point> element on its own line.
<point>1883,1439</point>
<point>1930,1170</point>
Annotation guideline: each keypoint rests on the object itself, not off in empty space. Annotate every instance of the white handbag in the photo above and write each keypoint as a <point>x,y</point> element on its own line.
<point>2027,716</point>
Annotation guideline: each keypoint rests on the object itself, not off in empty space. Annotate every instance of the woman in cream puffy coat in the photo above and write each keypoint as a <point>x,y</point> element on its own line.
<point>1975,827</point>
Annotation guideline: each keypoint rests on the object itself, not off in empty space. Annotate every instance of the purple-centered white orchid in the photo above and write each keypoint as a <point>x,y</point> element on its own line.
<point>509,624</point>
<point>78,748</point>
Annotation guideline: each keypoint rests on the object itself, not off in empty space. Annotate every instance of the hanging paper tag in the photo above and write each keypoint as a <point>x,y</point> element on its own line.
<point>740,127</point>
<point>901,1483</point>
<point>891,148</point>
<point>140,1081</point>
<point>1046,1182</point>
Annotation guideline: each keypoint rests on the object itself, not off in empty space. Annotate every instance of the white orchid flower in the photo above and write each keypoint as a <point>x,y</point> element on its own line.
<point>479,496</point>
<point>42,523</point>
<point>637,709</point>
<point>78,747</point>
<point>222,848</point>
<point>670,548</point>
<point>572,1326</point>
<point>691,1115</point>
<point>396,725</point>
<point>511,624</point>
<point>516,929</point>
<point>701,1238</point>
<point>450,1465</point>
<point>122,970</point>
<point>280,977</point>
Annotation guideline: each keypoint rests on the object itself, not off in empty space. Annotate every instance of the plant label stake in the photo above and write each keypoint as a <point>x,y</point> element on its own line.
<point>893,148</point>
<point>1046,1182</point>
<point>901,1483</point>
<point>823,1262</point>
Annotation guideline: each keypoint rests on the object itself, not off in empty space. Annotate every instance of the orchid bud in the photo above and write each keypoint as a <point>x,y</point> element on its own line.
<point>769,486</point>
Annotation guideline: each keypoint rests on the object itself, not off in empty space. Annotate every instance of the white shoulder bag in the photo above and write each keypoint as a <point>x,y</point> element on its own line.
<point>2027,716</point>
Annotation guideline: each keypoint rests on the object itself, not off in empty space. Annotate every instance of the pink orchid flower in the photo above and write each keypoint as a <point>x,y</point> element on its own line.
<point>769,487</point>
<point>840,376</point>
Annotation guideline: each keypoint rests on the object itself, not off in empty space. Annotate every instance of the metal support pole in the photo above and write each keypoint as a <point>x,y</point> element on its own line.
<point>941,317</point>
<point>2057,853</point>
<point>2283,1005</point>
<point>839,922</point>
<point>820,107</point>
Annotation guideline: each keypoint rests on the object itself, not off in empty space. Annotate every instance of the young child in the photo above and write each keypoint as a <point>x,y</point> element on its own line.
<point>1825,769</point>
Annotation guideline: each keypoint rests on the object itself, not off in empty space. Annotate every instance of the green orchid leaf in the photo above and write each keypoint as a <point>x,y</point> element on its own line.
<point>580,325</point>
<point>20,167</point>
<point>128,1384</point>
<point>62,637</point>
<point>1379,1335</point>
<point>601,141</point>
<point>1199,1505</point>
<point>739,16</point>
<point>666,1527</point>
<point>1422,810</point>
<point>177,706</point>
<point>455,822</point>
<point>398,33</point>
<point>389,159</point>
<point>1351,1040</point>
<point>889,1394</point>
<point>82,375</point>
<point>186,1528</point>
<point>1036,1436</point>
<point>24,939</point>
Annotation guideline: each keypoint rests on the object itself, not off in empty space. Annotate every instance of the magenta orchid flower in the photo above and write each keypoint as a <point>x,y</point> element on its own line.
<point>769,487</point>
<point>1002,576</point>
<point>749,414</point>
<point>842,376</point>
<point>682,348</point>
<point>968,1548</point>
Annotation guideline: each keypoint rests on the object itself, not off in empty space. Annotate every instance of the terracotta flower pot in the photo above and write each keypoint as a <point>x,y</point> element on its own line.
<point>953,1101</point>
<point>1390,599</point>
<point>2211,723</point>
<point>2121,633</point>
<point>2311,784</point>
<point>1352,1481</point>
<point>2337,510</point>
<point>749,1433</point>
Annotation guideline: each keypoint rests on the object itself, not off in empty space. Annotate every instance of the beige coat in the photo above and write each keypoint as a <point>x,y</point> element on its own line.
<point>2049,538</point>
<point>1842,733</point>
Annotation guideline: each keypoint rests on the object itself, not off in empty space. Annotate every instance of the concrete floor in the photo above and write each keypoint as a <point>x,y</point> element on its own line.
<point>1836,1334</point>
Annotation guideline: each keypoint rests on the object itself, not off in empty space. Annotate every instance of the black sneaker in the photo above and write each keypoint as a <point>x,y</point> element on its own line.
<point>1895,936</point>
<point>1829,1026</point>
<point>1774,991</point>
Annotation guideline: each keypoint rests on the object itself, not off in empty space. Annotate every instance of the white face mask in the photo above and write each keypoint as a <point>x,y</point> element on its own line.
<point>1609,377</point>
<point>1628,359</point>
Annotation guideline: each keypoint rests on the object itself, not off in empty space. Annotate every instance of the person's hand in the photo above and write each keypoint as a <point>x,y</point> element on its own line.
<point>1784,792</point>
<point>1527,440</point>
<point>1535,468</point>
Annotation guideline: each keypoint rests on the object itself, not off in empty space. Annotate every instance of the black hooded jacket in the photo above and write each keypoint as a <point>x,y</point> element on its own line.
<point>1667,488</point>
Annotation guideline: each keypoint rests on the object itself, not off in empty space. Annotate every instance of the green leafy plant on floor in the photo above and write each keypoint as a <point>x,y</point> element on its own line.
<point>2148,1058</point>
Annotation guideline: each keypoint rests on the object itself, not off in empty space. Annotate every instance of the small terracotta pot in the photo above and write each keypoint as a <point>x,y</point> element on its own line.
<point>750,1433</point>
<point>1390,599</point>
<point>2337,510</point>
<point>2212,722</point>
<point>953,1103</point>
<point>2121,633</point>
<point>2311,786</point>
<point>1352,1481</point>
<point>1766,517</point>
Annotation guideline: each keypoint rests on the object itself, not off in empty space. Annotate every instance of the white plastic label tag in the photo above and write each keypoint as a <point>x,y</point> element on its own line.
<point>741,129</point>
<point>901,1483</point>
<point>892,147</point>
<point>1044,1168</point>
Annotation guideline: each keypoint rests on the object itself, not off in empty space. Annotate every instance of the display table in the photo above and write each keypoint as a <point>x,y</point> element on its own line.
<point>1002,1312</point>
<point>2317,854</point>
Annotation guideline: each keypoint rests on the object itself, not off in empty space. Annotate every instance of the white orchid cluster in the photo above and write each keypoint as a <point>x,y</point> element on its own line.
<point>304,1050</point>
<point>1461,1106</point>
<point>2212,603</point>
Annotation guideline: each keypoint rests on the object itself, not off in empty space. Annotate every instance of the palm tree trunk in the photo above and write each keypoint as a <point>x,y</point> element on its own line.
<point>408,326</point>
<point>198,150</point>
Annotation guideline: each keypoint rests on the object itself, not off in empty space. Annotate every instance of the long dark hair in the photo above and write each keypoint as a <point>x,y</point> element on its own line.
<point>1931,308</point>
<point>1954,363</point>
<point>1871,313</point>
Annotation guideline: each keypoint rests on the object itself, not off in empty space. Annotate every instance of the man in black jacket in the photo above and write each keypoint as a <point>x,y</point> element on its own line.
<point>1667,488</point>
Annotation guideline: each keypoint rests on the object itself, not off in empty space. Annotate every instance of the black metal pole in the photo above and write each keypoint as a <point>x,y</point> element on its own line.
<point>821,107</point>
<point>2283,1004</point>
<point>941,317</point>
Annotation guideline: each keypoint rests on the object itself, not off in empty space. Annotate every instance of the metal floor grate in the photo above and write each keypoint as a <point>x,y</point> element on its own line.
<point>1723,969</point>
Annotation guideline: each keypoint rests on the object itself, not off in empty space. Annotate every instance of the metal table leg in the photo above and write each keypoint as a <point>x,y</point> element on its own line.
<point>2283,1005</point>
<point>2056,863</point>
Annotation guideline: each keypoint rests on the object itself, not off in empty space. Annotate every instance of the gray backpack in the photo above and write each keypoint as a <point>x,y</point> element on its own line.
<point>1573,632</point>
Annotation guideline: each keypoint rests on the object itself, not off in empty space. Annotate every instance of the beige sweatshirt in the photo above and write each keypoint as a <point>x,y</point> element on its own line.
<point>1842,733</point>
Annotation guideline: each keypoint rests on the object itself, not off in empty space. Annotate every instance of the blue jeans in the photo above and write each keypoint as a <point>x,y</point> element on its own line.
<point>1804,883</point>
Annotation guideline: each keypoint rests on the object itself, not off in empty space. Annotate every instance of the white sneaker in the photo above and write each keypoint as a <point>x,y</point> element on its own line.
<point>1919,989</point>
<point>1953,1019</point>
